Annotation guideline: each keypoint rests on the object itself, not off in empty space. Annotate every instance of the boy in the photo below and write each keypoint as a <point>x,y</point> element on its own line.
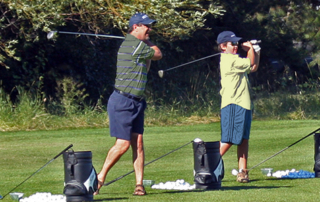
<point>236,106</point>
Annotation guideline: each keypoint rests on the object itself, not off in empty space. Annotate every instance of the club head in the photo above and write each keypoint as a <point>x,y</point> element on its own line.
<point>160,72</point>
<point>1,197</point>
<point>51,34</point>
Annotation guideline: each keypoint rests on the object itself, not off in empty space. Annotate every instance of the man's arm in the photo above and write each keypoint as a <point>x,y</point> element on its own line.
<point>148,63</point>
<point>157,55</point>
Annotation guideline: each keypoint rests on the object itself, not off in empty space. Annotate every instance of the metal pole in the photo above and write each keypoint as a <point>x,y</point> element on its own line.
<point>284,149</point>
<point>71,145</point>
<point>122,176</point>
<point>51,34</point>
<point>161,72</point>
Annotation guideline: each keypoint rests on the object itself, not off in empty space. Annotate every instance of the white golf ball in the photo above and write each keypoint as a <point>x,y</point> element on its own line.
<point>234,172</point>
<point>197,140</point>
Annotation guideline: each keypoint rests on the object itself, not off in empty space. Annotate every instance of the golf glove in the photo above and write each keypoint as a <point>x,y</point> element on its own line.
<point>255,41</point>
<point>255,45</point>
<point>256,48</point>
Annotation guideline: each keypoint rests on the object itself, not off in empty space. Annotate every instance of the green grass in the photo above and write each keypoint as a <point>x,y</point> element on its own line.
<point>32,112</point>
<point>23,153</point>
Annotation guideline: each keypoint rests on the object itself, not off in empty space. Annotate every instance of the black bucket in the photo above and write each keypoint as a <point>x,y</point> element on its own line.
<point>317,154</point>
<point>80,177</point>
<point>208,165</point>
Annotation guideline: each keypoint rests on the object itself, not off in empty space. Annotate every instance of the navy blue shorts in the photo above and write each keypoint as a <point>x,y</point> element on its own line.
<point>126,116</point>
<point>235,124</point>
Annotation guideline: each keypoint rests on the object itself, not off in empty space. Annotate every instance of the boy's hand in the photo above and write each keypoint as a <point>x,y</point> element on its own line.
<point>246,46</point>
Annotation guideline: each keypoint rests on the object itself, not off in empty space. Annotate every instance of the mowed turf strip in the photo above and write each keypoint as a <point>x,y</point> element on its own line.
<point>23,153</point>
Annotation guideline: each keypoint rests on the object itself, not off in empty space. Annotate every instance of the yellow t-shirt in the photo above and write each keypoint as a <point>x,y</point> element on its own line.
<point>234,72</point>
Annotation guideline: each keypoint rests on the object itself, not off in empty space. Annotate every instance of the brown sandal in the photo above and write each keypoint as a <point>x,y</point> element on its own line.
<point>139,191</point>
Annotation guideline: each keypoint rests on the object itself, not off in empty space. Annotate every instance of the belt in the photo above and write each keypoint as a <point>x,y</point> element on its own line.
<point>129,95</point>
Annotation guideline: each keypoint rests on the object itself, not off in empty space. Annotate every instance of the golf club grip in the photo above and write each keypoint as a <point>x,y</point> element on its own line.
<point>71,145</point>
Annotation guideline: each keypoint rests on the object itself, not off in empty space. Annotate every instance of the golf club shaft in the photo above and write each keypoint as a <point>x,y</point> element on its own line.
<point>89,34</point>
<point>118,178</point>
<point>284,149</point>
<point>192,61</point>
<point>71,145</point>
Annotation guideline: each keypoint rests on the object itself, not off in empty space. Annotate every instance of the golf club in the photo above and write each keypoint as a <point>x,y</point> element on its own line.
<point>284,149</point>
<point>161,72</point>
<point>52,34</point>
<point>255,41</point>
<point>122,176</point>
<point>71,145</point>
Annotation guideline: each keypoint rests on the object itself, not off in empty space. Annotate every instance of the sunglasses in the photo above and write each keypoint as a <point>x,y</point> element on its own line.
<point>234,43</point>
<point>149,26</point>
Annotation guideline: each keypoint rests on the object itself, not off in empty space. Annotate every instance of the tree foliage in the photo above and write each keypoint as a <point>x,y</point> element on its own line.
<point>185,30</point>
<point>28,56</point>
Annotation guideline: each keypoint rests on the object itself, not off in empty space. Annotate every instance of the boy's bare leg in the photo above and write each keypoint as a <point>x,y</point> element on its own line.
<point>224,147</point>
<point>243,154</point>
<point>243,176</point>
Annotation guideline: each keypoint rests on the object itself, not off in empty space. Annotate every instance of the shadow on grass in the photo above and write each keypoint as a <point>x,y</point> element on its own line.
<point>225,188</point>
<point>270,179</point>
<point>112,199</point>
<point>251,187</point>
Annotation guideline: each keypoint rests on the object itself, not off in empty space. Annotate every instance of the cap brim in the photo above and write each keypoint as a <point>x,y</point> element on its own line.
<point>235,39</point>
<point>149,22</point>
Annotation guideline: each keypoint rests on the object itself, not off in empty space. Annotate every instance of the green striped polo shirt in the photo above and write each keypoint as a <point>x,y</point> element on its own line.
<point>131,66</point>
<point>234,81</point>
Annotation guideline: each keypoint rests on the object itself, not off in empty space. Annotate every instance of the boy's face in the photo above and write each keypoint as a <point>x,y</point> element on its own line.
<point>230,47</point>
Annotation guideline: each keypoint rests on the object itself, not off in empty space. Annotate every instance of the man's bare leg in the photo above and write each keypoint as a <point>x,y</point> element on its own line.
<point>119,148</point>
<point>138,156</point>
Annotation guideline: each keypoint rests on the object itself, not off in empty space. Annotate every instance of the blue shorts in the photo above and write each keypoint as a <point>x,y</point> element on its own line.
<point>126,116</point>
<point>235,124</point>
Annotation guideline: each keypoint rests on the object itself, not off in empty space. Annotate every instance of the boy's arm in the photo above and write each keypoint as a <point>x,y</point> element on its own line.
<point>256,61</point>
<point>252,55</point>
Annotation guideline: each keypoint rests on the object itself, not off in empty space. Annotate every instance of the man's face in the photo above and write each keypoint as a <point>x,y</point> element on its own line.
<point>230,47</point>
<point>141,31</point>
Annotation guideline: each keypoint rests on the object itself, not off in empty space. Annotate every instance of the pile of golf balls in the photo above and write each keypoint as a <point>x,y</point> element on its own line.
<point>177,185</point>
<point>292,174</point>
<point>44,197</point>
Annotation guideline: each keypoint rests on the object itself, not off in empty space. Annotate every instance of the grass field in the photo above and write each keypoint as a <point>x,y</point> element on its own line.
<point>23,153</point>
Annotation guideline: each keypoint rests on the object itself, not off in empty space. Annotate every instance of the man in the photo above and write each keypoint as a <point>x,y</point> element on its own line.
<point>126,104</point>
<point>236,105</point>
